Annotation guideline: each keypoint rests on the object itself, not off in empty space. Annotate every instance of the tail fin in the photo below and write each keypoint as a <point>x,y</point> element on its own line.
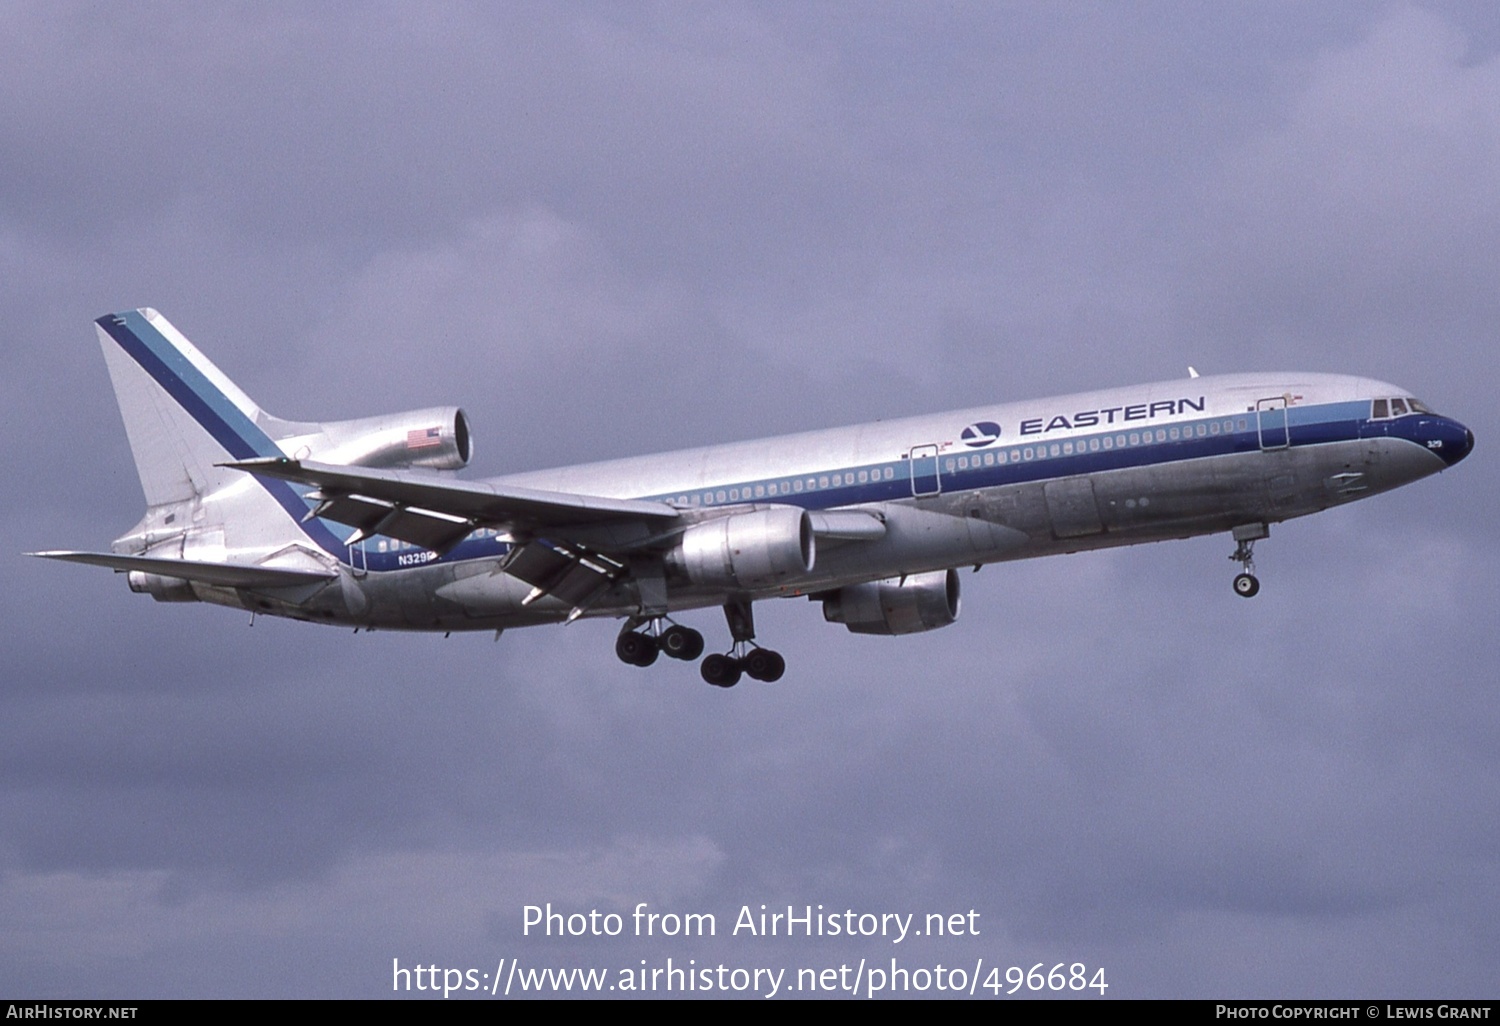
<point>182,414</point>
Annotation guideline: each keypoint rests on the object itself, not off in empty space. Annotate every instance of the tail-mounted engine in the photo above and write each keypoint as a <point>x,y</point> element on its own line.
<point>747,550</point>
<point>437,439</point>
<point>896,605</point>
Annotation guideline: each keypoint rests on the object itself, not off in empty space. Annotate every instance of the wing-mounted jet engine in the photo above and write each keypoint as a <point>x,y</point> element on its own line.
<point>896,605</point>
<point>758,549</point>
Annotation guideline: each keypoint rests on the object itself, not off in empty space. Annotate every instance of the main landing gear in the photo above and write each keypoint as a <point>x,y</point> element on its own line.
<point>744,655</point>
<point>1246,584</point>
<point>643,639</point>
<point>641,647</point>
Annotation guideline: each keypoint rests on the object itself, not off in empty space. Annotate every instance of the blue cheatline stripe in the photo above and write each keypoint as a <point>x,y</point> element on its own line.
<point>1313,425</point>
<point>225,422</point>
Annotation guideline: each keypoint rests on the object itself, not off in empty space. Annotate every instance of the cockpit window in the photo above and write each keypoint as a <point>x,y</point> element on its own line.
<point>1382,409</point>
<point>1418,406</point>
<point>1398,407</point>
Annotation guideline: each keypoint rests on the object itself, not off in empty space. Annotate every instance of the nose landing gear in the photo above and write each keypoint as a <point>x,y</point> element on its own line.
<point>1246,584</point>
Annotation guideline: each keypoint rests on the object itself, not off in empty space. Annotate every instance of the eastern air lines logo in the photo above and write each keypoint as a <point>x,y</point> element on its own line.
<point>977,436</point>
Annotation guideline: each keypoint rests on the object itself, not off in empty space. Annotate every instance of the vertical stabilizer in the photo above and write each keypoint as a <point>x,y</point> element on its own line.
<point>182,414</point>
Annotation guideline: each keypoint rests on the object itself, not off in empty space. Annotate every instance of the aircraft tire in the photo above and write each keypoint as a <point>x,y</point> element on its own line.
<point>721,671</point>
<point>764,664</point>
<point>636,648</point>
<point>681,642</point>
<point>1246,585</point>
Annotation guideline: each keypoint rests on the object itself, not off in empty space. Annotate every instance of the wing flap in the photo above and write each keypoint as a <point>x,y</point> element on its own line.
<point>427,528</point>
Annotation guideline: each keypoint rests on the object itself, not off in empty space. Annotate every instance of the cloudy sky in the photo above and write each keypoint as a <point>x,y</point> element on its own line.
<point>615,228</point>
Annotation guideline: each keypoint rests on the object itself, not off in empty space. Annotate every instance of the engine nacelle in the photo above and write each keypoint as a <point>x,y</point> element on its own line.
<point>920,602</point>
<point>163,589</point>
<point>747,550</point>
<point>437,439</point>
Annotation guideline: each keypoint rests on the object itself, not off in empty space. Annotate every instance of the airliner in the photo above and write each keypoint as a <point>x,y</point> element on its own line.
<point>365,523</point>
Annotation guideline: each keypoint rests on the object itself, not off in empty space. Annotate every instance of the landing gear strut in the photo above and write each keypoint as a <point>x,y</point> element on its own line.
<point>744,655</point>
<point>1246,584</point>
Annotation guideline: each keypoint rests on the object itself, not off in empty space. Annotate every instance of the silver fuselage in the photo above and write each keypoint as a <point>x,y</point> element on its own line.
<point>1012,481</point>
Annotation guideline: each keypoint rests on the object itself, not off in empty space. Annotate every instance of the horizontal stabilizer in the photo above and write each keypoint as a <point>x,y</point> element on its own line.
<point>224,575</point>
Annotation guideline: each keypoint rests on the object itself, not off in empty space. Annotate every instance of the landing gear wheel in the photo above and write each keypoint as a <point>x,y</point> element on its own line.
<point>1246,585</point>
<point>636,648</point>
<point>764,664</point>
<point>721,671</point>
<point>681,642</point>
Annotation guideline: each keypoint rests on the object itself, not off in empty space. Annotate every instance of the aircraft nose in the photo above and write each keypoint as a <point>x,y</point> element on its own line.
<point>1454,441</point>
<point>1444,437</point>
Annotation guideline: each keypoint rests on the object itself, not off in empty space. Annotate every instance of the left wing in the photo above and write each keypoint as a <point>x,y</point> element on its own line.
<point>568,545</point>
<point>437,514</point>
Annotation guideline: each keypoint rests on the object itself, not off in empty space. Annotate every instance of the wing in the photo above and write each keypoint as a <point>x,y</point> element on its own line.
<point>568,546</point>
<point>437,513</point>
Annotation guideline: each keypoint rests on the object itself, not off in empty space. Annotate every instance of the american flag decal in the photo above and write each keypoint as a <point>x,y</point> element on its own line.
<point>424,438</point>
